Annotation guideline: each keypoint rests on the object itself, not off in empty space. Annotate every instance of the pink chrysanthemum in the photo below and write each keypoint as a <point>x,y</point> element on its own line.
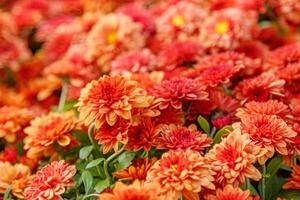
<point>182,138</point>
<point>173,92</point>
<point>51,181</point>
<point>233,160</point>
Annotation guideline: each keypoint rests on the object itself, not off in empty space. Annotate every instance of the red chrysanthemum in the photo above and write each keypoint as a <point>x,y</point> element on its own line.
<point>259,88</point>
<point>269,132</point>
<point>142,136</point>
<point>179,53</point>
<point>173,92</point>
<point>109,99</point>
<point>140,61</point>
<point>181,172</point>
<point>182,138</point>
<point>287,9</point>
<point>51,181</point>
<point>233,160</point>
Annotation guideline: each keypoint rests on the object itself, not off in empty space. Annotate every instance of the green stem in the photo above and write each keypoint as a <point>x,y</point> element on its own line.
<point>91,195</point>
<point>63,96</point>
<point>90,131</point>
<point>109,159</point>
<point>263,183</point>
<point>248,183</point>
<point>212,133</point>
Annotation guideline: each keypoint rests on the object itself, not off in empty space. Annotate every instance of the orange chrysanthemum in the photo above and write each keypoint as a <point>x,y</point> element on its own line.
<point>11,97</point>
<point>294,181</point>
<point>12,122</point>
<point>109,99</point>
<point>259,88</point>
<point>233,160</point>
<point>137,190</point>
<point>271,107</point>
<point>174,91</point>
<point>142,136</point>
<point>112,35</point>
<point>231,193</point>
<point>138,170</point>
<point>181,172</point>
<point>111,136</point>
<point>182,138</point>
<point>269,132</point>
<point>15,176</point>
<point>44,131</point>
<point>51,181</point>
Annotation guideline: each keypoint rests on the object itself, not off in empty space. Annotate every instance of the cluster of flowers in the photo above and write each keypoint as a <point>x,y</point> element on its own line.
<point>149,99</point>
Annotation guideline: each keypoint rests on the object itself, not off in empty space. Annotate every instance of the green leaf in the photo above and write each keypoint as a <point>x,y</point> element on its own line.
<point>101,185</point>
<point>69,105</point>
<point>87,179</point>
<point>221,132</point>
<point>251,188</point>
<point>125,159</point>
<point>273,186</point>
<point>85,151</point>
<point>286,168</point>
<point>94,163</point>
<point>81,136</point>
<point>274,165</point>
<point>7,193</point>
<point>291,194</point>
<point>204,124</point>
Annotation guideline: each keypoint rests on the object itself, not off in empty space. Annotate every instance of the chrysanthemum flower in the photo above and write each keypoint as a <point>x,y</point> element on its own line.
<point>142,136</point>
<point>111,136</point>
<point>15,176</point>
<point>137,190</point>
<point>173,92</point>
<point>10,97</point>
<point>12,122</point>
<point>231,193</point>
<point>270,107</point>
<point>51,181</point>
<point>170,116</point>
<point>233,160</point>
<point>181,172</point>
<point>111,35</point>
<point>139,61</point>
<point>179,53</point>
<point>44,131</point>
<point>9,155</point>
<point>294,181</point>
<point>109,99</point>
<point>224,29</point>
<point>138,170</point>
<point>175,137</point>
<point>269,132</point>
<point>259,88</point>
<point>285,61</point>
<point>287,9</point>
<point>181,21</point>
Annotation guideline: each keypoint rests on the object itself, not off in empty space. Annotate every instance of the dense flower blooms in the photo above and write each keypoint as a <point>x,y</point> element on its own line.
<point>259,88</point>
<point>110,99</point>
<point>233,160</point>
<point>232,193</point>
<point>269,132</point>
<point>181,21</point>
<point>173,92</point>
<point>46,130</point>
<point>51,181</point>
<point>138,170</point>
<point>294,181</point>
<point>15,176</point>
<point>182,138</point>
<point>136,190</point>
<point>12,122</point>
<point>287,9</point>
<point>181,172</point>
<point>9,155</point>
<point>111,35</point>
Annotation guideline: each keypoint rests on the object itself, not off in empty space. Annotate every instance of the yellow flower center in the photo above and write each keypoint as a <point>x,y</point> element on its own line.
<point>112,37</point>
<point>174,167</point>
<point>178,20</point>
<point>222,27</point>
